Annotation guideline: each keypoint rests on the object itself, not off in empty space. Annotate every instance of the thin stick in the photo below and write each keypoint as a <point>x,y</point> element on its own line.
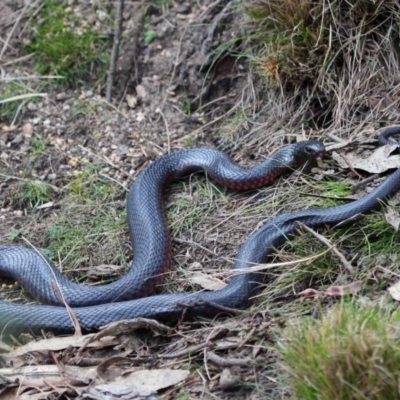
<point>29,77</point>
<point>167,129</point>
<point>327,243</point>
<point>229,362</point>
<point>105,159</point>
<point>22,97</point>
<point>114,53</point>
<point>58,291</point>
<point>263,267</point>
<point>188,351</point>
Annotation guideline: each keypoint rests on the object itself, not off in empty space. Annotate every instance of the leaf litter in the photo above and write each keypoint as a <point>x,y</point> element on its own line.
<point>380,160</point>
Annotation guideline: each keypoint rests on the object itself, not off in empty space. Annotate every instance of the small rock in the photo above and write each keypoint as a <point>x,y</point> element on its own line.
<point>31,106</point>
<point>101,15</point>
<point>27,129</point>
<point>18,139</point>
<point>227,380</point>
<point>141,91</point>
<point>140,117</point>
<point>131,101</point>
<point>122,151</point>
<point>62,96</point>
<point>73,162</point>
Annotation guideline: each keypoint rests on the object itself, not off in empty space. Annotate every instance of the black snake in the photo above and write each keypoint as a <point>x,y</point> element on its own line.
<point>95,306</point>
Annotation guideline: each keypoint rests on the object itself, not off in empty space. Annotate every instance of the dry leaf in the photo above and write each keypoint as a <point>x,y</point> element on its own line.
<point>141,91</point>
<point>206,282</point>
<point>46,205</point>
<point>138,385</point>
<point>43,395</point>
<point>379,161</point>
<point>117,391</point>
<point>127,326</point>
<point>48,375</point>
<point>227,379</point>
<point>393,218</point>
<point>394,291</point>
<point>342,290</point>
<point>309,293</point>
<point>61,343</point>
<point>156,379</point>
<point>106,269</point>
<point>27,129</point>
<point>231,342</point>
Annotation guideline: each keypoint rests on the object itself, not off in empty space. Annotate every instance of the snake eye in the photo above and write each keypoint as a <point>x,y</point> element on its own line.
<point>310,150</point>
<point>313,149</point>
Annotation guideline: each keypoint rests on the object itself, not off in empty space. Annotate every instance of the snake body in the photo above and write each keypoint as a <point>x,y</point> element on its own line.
<point>152,248</point>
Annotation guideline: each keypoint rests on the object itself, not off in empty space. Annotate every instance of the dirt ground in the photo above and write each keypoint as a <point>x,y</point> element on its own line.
<point>188,88</point>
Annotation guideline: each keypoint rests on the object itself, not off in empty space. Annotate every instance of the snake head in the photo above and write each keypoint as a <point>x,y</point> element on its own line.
<point>309,150</point>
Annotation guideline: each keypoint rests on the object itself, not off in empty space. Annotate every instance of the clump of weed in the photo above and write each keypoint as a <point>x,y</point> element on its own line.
<point>87,186</point>
<point>63,44</point>
<point>34,193</point>
<point>81,242</point>
<point>38,146</point>
<point>350,353</point>
<point>189,209</point>
<point>333,191</point>
<point>92,220</point>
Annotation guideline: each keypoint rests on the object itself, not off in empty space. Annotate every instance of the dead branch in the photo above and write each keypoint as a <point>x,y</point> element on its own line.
<point>114,53</point>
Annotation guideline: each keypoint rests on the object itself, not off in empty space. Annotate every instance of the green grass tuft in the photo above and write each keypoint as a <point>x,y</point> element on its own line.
<point>364,244</point>
<point>351,353</point>
<point>188,209</point>
<point>79,241</point>
<point>34,193</point>
<point>335,190</point>
<point>63,45</point>
<point>38,146</point>
<point>79,233</point>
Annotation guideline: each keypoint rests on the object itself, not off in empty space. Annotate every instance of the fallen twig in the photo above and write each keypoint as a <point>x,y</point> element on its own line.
<point>327,243</point>
<point>58,291</point>
<point>229,362</point>
<point>189,350</point>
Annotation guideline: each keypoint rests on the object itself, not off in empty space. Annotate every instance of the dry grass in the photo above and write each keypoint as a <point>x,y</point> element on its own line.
<point>337,61</point>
